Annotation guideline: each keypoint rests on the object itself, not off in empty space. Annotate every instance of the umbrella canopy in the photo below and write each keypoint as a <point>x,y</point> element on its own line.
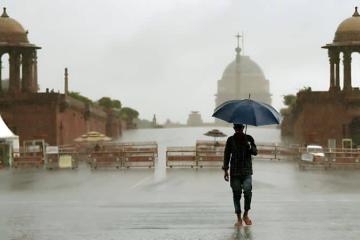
<point>215,133</point>
<point>248,112</point>
<point>92,136</point>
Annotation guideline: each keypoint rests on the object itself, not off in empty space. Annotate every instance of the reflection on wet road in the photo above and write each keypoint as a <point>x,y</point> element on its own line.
<point>176,204</point>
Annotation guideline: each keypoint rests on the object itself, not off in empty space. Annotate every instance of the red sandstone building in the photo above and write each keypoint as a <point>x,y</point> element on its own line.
<point>55,117</point>
<point>330,117</point>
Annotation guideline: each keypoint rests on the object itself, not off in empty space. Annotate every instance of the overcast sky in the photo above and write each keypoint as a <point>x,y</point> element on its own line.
<point>164,57</point>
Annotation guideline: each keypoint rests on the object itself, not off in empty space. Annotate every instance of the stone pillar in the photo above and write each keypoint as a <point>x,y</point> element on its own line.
<point>14,79</point>
<point>332,69</point>
<point>347,71</point>
<point>34,82</point>
<point>66,82</point>
<point>337,71</point>
<point>26,72</point>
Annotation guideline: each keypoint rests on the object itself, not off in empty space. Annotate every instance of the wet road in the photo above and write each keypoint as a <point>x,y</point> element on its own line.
<point>176,204</point>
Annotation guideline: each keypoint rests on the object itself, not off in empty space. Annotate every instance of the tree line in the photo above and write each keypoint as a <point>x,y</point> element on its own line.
<point>125,113</point>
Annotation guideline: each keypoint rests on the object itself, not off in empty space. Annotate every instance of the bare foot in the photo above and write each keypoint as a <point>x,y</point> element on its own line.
<point>247,220</point>
<point>238,223</point>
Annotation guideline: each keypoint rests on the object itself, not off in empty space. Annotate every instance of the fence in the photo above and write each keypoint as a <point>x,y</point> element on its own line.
<point>335,158</point>
<point>211,154</point>
<point>130,154</point>
<point>203,154</point>
<point>278,152</point>
<point>62,157</point>
<point>181,157</point>
<point>27,158</point>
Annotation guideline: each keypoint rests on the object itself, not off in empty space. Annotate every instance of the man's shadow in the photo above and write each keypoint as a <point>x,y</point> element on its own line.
<point>242,233</point>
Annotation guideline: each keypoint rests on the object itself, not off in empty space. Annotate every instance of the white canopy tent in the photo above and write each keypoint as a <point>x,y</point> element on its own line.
<point>9,138</point>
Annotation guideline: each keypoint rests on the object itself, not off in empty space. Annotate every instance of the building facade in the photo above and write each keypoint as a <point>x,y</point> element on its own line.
<point>330,117</point>
<point>55,117</point>
<point>194,119</point>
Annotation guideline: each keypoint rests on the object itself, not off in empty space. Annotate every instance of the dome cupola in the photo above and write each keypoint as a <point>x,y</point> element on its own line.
<point>11,31</point>
<point>346,42</point>
<point>349,29</point>
<point>242,77</point>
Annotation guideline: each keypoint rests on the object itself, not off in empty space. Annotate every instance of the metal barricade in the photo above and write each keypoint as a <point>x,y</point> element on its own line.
<point>334,159</point>
<point>139,154</point>
<point>28,161</point>
<point>139,159</point>
<point>209,153</point>
<point>181,157</point>
<point>125,154</point>
<point>106,159</point>
<point>68,157</point>
<point>266,151</point>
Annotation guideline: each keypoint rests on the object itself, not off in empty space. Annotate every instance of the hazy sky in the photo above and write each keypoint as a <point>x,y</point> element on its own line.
<point>164,57</point>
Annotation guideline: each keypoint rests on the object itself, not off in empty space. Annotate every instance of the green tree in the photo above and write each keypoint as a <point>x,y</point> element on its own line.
<point>105,102</point>
<point>129,114</point>
<point>81,98</point>
<point>289,100</point>
<point>115,104</point>
<point>305,89</point>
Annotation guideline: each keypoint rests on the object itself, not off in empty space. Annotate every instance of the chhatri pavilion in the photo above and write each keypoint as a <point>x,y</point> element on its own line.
<point>331,117</point>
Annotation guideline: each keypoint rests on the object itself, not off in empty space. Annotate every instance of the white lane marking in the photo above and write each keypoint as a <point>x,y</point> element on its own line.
<point>142,181</point>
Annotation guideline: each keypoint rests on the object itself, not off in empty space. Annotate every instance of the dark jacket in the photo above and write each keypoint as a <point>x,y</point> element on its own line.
<point>238,151</point>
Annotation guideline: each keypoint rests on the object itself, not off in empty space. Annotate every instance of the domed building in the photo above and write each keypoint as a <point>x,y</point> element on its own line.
<point>346,41</point>
<point>11,31</point>
<point>242,77</point>
<point>22,56</point>
<point>53,116</point>
<point>194,119</point>
<point>331,117</point>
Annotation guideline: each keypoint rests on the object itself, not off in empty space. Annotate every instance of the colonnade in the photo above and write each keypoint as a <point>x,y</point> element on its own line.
<point>334,57</point>
<point>22,70</point>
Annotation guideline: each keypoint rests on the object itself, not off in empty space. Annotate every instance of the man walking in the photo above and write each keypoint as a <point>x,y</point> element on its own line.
<point>237,154</point>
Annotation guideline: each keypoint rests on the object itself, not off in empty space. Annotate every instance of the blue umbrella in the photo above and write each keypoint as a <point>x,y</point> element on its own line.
<point>247,112</point>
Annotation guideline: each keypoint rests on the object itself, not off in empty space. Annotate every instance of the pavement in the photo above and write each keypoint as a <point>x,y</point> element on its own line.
<point>179,204</point>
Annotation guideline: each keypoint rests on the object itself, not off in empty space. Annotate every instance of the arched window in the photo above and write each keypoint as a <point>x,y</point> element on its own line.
<point>5,72</point>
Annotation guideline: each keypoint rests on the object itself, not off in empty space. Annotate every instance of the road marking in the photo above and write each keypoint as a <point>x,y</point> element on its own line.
<point>142,181</point>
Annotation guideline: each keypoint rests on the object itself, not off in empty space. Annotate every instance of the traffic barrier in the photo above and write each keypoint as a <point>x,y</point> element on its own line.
<point>105,159</point>
<point>334,159</point>
<point>128,154</point>
<point>28,161</point>
<point>181,157</point>
<point>61,157</point>
<point>211,154</point>
<point>139,159</point>
<point>68,157</point>
<point>139,154</point>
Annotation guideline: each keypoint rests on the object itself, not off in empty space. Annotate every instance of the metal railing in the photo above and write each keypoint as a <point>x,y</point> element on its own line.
<point>128,154</point>
<point>211,154</point>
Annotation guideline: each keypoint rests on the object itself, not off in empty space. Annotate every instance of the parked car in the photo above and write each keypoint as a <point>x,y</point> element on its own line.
<point>313,153</point>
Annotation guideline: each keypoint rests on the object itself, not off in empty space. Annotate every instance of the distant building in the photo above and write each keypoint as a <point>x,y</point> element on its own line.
<point>194,119</point>
<point>154,123</point>
<point>241,78</point>
<point>55,117</point>
<point>169,124</point>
